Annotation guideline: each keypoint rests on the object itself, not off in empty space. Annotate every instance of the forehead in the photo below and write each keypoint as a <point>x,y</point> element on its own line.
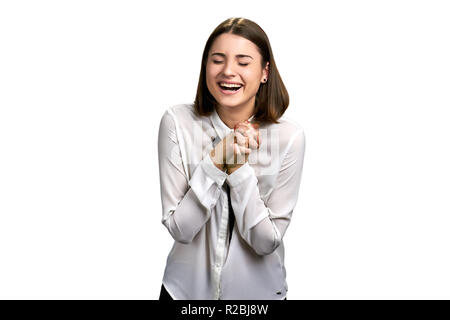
<point>231,45</point>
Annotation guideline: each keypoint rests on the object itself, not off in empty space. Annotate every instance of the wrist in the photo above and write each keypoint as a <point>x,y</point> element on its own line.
<point>232,168</point>
<point>217,163</point>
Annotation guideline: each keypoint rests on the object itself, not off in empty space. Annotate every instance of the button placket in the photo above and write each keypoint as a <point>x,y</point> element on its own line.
<point>221,243</point>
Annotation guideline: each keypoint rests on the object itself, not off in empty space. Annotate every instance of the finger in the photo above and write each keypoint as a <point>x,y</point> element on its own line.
<point>240,138</point>
<point>254,130</point>
<point>242,126</point>
<point>241,131</point>
<point>253,144</point>
<point>242,158</point>
<point>248,129</point>
<point>244,150</point>
<point>237,149</point>
<point>246,134</point>
<point>247,124</point>
<point>253,138</point>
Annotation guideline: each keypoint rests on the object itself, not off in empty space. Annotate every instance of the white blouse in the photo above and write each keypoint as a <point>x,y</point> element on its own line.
<point>203,263</point>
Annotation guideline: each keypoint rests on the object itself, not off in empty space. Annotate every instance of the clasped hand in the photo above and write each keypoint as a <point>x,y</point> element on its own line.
<point>232,151</point>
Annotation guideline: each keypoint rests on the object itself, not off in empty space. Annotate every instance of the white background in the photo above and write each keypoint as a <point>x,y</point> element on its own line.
<point>83,86</point>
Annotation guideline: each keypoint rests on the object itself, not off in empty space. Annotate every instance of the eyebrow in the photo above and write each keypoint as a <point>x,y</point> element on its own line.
<point>238,55</point>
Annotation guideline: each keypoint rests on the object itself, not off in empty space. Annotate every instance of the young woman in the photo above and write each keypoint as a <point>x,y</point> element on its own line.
<point>230,167</point>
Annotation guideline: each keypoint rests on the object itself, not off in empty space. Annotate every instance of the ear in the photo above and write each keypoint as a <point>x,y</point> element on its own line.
<point>266,71</point>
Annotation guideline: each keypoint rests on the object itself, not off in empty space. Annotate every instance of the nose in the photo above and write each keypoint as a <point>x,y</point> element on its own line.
<point>228,69</point>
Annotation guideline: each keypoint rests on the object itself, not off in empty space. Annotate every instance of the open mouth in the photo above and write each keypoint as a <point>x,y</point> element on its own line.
<point>229,89</point>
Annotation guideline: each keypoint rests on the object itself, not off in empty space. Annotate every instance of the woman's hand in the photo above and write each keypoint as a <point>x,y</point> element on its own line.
<point>233,150</point>
<point>226,150</point>
<point>247,137</point>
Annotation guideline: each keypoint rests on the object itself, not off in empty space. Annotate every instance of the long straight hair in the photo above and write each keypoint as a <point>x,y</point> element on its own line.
<point>272,98</point>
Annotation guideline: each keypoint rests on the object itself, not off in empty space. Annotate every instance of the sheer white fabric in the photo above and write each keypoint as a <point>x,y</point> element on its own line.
<point>203,264</point>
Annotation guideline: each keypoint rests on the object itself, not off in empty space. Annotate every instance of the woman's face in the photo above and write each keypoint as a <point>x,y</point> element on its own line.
<point>234,59</point>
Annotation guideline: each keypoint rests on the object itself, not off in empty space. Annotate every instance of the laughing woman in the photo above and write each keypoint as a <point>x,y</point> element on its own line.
<point>230,166</point>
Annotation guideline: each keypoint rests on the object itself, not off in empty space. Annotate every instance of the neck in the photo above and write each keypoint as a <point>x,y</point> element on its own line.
<point>231,116</point>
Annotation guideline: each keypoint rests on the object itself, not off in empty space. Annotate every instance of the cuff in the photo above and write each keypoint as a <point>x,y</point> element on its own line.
<point>241,174</point>
<point>206,182</point>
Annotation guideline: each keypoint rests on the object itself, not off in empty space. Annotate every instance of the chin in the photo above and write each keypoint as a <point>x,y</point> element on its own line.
<point>228,103</point>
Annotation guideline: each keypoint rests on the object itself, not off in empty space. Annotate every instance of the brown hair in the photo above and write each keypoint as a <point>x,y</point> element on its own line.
<point>272,98</point>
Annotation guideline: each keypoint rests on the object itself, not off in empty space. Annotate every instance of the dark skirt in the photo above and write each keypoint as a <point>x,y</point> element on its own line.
<point>164,295</point>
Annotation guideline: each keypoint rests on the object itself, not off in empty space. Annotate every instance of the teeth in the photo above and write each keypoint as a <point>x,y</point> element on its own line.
<point>230,85</point>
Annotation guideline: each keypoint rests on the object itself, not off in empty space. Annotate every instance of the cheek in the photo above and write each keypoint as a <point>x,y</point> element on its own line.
<point>251,78</point>
<point>253,84</point>
<point>211,74</point>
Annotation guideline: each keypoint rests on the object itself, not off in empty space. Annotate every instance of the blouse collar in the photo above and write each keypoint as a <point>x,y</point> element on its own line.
<point>220,126</point>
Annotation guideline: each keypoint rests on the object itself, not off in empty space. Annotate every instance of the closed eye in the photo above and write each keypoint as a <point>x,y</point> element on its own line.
<point>241,64</point>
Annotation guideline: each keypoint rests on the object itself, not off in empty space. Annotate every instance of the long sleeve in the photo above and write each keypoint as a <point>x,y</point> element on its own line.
<point>186,204</point>
<point>264,225</point>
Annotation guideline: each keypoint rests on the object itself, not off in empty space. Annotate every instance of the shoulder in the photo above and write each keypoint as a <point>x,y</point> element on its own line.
<point>183,111</point>
<point>292,139</point>
<point>289,132</point>
<point>176,114</point>
<point>289,125</point>
<point>180,120</point>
